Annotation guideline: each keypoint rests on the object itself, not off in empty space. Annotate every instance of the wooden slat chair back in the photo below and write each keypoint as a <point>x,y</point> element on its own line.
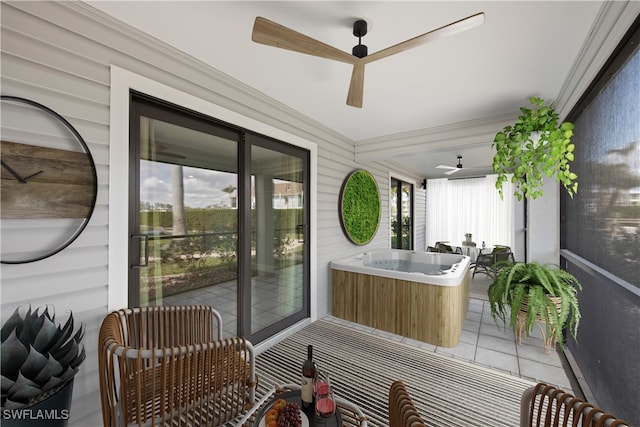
<point>402,411</point>
<point>169,366</point>
<point>546,405</point>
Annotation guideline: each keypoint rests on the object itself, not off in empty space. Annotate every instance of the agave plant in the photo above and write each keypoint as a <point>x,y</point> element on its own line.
<point>38,356</point>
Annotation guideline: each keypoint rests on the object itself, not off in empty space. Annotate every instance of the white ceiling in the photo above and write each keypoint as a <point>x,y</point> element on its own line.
<point>523,49</point>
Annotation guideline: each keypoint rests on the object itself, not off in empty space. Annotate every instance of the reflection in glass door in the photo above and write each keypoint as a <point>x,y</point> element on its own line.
<point>186,221</point>
<point>401,203</point>
<point>278,246</point>
<point>218,218</point>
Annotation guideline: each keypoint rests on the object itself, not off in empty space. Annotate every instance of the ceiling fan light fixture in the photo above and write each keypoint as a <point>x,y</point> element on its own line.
<point>360,30</point>
<point>360,51</point>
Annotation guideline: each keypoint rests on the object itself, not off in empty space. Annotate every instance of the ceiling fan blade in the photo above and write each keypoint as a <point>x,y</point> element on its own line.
<point>445,167</point>
<point>451,172</point>
<point>273,34</point>
<point>356,87</point>
<point>447,30</point>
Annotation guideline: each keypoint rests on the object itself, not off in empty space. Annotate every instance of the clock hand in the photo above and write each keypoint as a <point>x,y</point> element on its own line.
<point>31,176</point>
<point>14,173</point>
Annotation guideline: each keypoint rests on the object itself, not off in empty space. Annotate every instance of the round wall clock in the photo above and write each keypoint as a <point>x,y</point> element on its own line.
<point>48,182</point>
<point>360,207</point>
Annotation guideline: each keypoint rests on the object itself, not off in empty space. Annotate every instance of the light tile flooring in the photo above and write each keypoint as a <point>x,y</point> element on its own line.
<point>274,297</point>
<point>482,341</point>
<point>494,346</point>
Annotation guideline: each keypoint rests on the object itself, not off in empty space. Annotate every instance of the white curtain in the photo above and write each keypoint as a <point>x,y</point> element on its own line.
<point>459,206</point>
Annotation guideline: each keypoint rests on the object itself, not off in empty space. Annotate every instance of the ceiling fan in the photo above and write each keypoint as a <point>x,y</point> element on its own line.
<point>273,34</point>
<point>452,169</point>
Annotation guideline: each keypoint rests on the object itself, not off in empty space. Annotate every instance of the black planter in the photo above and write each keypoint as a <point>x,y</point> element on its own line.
<point>54,411</point>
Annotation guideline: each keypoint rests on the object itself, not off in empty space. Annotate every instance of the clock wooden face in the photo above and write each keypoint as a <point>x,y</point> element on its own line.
<point>40,182</point>
<point>48,182</point>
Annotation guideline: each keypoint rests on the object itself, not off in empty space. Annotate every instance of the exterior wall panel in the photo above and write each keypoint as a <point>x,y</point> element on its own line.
<point>59,54</point>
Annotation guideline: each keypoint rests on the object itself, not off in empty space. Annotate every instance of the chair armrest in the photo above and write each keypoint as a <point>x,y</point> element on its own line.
<point>351,414</point>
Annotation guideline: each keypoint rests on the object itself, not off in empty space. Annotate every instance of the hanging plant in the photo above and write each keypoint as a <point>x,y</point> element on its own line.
<point>533,147</point>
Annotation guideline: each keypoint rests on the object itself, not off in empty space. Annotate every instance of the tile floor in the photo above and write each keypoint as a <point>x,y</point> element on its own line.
<point>274,297</point>
<point>482,341</point>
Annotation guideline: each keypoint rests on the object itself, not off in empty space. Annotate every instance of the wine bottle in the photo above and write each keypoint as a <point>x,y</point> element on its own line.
<point>308,375</point>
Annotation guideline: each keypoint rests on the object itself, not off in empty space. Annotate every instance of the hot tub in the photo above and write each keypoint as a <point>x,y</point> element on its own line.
<point>420,295</point>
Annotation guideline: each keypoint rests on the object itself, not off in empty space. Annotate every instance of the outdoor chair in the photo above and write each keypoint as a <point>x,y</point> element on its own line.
<point>445,248</point>
<point>169,365</point>
<point>402,412</point>
<point>546,405</point>
<point>486,262</point>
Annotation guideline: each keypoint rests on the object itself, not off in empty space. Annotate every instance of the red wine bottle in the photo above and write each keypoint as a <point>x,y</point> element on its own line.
<point>308,375</point>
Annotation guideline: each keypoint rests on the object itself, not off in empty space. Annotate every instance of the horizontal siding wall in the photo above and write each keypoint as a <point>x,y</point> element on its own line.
<point>59,54</point>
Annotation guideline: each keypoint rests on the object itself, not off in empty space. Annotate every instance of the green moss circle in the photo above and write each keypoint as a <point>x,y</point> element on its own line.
<point>360,207</point>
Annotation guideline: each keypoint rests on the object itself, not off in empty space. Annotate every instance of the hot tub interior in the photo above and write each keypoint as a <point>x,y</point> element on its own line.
<point>410,266</point>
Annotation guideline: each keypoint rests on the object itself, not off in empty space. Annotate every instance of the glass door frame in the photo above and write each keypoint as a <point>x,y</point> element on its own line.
<point>244,243</point>
<point>400,182</point>
<point>244,219</point>
<point>122,82</point>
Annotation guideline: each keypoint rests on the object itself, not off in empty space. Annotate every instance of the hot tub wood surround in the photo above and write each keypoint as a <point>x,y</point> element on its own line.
<point>430,313</point>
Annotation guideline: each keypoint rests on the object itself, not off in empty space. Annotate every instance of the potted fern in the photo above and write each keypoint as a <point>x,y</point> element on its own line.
<point>527,293</point>
<point>534,146</point>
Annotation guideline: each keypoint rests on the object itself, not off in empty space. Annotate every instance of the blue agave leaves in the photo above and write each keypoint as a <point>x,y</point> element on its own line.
<point>38,356</point>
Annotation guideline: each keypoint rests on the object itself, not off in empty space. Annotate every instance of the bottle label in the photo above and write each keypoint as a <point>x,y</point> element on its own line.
<point>306,391</point>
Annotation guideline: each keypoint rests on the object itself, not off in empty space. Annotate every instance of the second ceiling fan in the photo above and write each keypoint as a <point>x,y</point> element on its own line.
<point>273,34</point>
<point>453,169</point>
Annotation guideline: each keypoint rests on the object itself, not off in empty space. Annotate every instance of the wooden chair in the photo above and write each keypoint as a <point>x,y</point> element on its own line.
<point>402,412</point>
<point>170,366</point>
<point>546,405</point>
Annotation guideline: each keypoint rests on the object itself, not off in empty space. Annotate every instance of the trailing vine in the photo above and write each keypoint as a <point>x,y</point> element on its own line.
<point>533,147</point>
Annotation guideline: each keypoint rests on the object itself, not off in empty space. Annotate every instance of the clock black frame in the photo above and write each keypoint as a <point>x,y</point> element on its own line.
<point>81,142</point>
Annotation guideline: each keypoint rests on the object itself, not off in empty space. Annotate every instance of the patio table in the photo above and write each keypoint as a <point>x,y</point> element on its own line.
<point>347,414</point>
<point>468,249</point>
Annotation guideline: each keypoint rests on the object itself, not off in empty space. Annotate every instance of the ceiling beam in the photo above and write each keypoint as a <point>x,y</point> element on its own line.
<point>467,133</point>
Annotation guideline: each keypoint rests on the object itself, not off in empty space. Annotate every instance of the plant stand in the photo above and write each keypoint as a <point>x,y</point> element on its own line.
<point>549,340</point>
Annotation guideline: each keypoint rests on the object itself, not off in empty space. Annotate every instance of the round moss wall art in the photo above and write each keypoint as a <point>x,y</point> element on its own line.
<point>360,207</point>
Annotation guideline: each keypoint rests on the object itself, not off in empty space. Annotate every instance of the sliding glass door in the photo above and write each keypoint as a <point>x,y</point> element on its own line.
<point>401,215</point>
<point>278,229</point>
<point>218,217</point>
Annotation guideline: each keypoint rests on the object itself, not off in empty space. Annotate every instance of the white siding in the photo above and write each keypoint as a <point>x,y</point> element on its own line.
<point>59,54</point>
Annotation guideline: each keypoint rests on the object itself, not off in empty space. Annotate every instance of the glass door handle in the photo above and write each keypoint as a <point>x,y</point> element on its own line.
<point>145,238</point>
<point>301,230</point>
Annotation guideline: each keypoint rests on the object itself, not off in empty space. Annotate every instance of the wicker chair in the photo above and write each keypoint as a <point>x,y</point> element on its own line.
<point>546,405</point>
<point>402,412</point>
<point>169,366</point>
